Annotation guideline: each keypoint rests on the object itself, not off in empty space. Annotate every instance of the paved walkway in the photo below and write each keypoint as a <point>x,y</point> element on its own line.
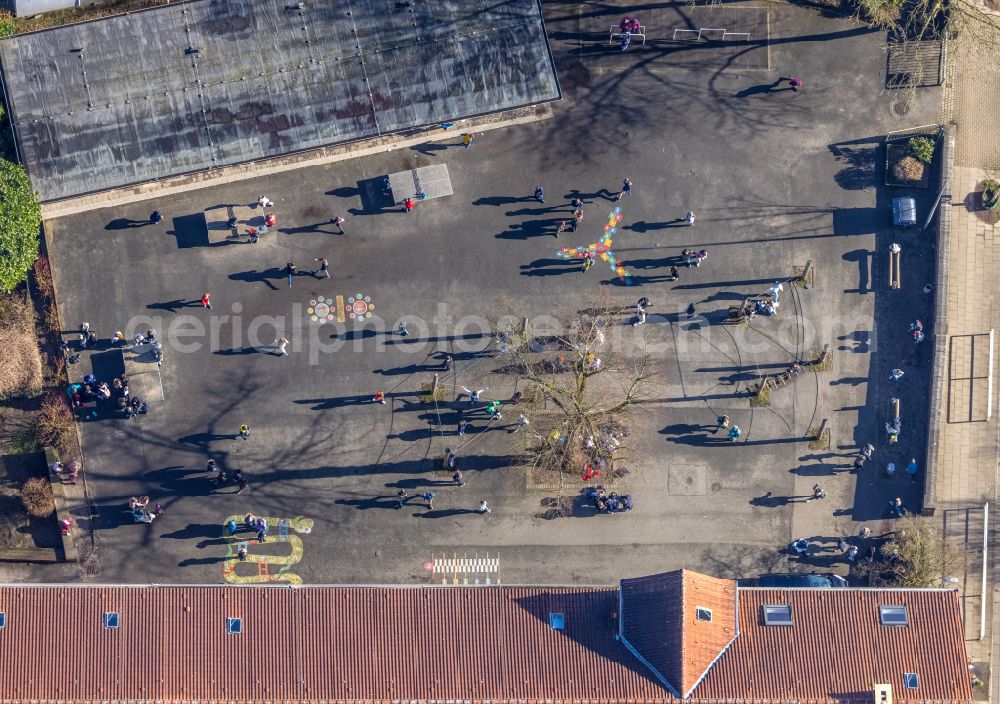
<point>969,448</point>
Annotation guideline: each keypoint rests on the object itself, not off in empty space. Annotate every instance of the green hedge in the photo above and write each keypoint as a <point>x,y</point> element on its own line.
<point>20,224</point>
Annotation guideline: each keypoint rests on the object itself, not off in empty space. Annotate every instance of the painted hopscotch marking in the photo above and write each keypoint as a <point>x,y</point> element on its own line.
<point>341,316</point>
<point>460,570</point>
<point>261,556</point>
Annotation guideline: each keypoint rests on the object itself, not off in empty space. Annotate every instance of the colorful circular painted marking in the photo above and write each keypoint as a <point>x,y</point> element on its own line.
<point>360,306</point>
<point>319,310</point>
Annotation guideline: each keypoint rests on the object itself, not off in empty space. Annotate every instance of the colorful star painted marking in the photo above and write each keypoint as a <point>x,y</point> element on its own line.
<point>602,248</point>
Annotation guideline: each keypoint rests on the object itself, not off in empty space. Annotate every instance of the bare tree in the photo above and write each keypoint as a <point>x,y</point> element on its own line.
<point>916,554</point>
<point>929,19</point>
<point>582,384</point>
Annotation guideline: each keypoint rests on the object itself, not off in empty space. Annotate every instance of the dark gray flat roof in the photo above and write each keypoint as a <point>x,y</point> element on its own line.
<point>124,100</point>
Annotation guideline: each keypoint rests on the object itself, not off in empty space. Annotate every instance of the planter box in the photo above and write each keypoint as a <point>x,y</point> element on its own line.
<point>895,152</point>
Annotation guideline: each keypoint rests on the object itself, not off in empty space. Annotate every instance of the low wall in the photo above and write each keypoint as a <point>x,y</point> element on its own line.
<point>940,339</point>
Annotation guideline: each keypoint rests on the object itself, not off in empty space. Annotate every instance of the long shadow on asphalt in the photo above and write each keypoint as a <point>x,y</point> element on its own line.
<point>550,267</point>
<point>315,227</point>
<point>820,469</point>
<point>195,530</point>
<point>191,561</point>
<point>538,211</point>
<point>862,257</point>
<point>388,501</point>
<point>126,223</point>
<point>768,500</point>
<point>112,515</point>
<point>173,305</point>
<point>393,338</point>
<point>637,280</point>
<point>431,147</point>
<point>445,513</point>
<point>671,260</point>
<point>263,277</point>
<point>409,369</point>
<point>418,483</point>
<point>324,404</point>
<point>604,193</point>
<point>529,228</point>
<point>641,226</point>
<point>202,439</point>
<point>722,284</point>
<point>501,200</point>
<point>232,351</point>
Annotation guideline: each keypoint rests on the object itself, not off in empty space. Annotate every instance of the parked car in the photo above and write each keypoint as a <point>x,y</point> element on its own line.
<point>779,581</point>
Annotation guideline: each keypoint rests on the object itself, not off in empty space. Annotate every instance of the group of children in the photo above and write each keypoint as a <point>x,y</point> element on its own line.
<point>139,512</point>
<point>610,503</point>
<point>252,523</point>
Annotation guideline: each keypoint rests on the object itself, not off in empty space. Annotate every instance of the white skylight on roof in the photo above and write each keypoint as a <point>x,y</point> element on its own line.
<point>893,615</point>
<point>234,626</point>
<point>911,680</point>
<point>703,614</point>
<point>111,619</point>
<point>777,614</point>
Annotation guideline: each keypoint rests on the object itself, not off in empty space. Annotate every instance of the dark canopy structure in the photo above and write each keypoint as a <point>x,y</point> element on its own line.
<point>209,83</point>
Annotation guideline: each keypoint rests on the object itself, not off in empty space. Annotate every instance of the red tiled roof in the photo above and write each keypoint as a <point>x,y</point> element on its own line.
<point>345,644</point>
<point>310,643</point>
<point>659,622</point>
<point>837,648</point>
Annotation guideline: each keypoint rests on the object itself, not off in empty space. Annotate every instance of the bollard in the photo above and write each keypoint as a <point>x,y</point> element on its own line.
<point>807,274</point>
<point>824,356</point>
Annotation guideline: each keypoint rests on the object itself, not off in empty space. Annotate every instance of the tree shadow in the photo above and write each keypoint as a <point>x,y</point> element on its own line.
<point>860,164</point>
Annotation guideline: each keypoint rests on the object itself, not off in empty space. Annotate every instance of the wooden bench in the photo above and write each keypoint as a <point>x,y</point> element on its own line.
<point>617,32</point>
